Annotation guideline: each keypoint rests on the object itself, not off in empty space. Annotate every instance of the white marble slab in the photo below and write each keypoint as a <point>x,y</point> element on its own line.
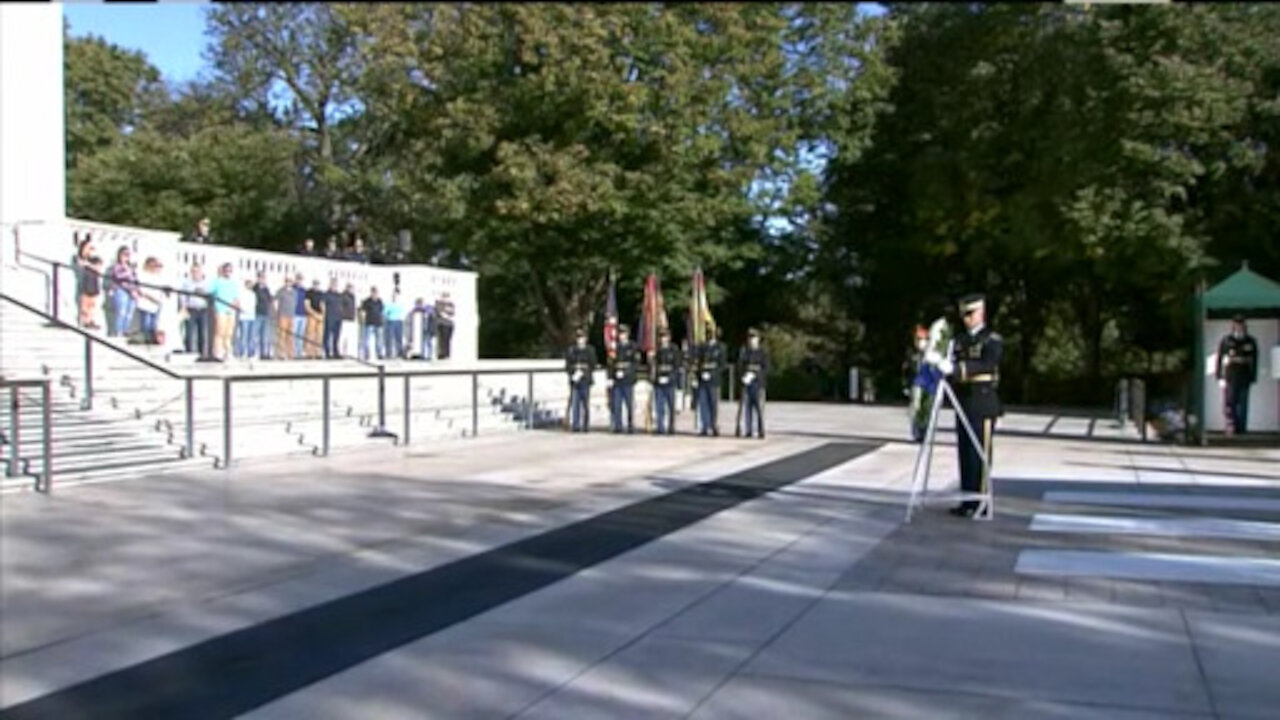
<point>1209,527</point>
<point>1163,500</point>
<point>1168,567</point>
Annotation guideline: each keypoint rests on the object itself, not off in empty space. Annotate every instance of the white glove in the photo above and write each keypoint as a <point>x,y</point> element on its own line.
<point>748,378</point>
<point>577,376</point>
<point>693,382</point>
<point>619,374</point>
<point>946,366</point>
<point>1222,384</point>
<point>933,357</point>
<point>662,381</point>
<point>608,384</point>
<point>706,377</point>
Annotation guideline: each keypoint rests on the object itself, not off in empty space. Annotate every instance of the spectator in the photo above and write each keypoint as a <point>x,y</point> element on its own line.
<point>350,328</point>
<point>124,292</point>
<point>358,253</point>
<point>444,325</point>
<point>88,268</point>
<point>371,311</point>
<point>331,250</point>
<point>315,321</point>
<point>247,321</point>
<point>395,326</point>
<point>286,310</point>
<point>194,304</point>
<point>308,248</point>
<point>424,316</point>
<point>299,317</point>
<point>332,320</point>
<point>201,233</point>
<point>225,297</point>
<point>262,326</point>
<point>150,300</point>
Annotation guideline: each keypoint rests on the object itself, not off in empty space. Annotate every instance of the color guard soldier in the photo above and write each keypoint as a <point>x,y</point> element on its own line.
<point>622,379</point>
<point>709,363</point>
<point>1237,369</point>
<point>580,364</point>
<point>753,368</point>
<point>974,373</point>
<point>666,364</point>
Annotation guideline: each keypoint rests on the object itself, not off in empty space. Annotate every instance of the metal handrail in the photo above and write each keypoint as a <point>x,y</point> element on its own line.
<point>44,482</point>
<point>407,374</point>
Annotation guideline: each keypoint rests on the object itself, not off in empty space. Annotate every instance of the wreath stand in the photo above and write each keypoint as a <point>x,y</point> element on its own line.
<point>920,493</point>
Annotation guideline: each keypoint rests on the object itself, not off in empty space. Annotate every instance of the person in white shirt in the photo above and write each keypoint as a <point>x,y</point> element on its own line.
<point>150,299</point>
<point>248,313</point>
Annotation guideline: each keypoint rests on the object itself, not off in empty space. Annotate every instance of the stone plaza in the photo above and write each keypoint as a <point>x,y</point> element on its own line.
<point>550,575</point>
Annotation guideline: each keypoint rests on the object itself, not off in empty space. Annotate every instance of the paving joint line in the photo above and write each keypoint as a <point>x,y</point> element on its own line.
<point>1195,655</point>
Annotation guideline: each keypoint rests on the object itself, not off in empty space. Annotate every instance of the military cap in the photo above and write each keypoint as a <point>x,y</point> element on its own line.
<point>624,329</point>
<point>579,330</point>
<point>971,302</point>
<point>752,332</point>
<point>664,333</point>
<point>1238,318</point>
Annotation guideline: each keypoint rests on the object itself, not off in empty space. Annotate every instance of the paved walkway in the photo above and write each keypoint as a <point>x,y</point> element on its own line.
<point>557,576</point>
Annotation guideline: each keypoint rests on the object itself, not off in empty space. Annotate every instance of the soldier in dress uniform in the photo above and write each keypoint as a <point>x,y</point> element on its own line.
<point>622,379</point>
<point>711,357</point>
<point>753,368</point>
<point>580,364</point>
<point>665,366</point>
<point>1237,369</point>
<point>974,373</point>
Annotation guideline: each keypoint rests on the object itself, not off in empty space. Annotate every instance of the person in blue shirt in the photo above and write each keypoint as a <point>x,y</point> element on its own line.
<point>225,294</point>
<point>395,313</point>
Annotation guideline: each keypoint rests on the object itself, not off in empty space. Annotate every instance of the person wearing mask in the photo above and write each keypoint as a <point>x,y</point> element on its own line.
<point>350,332</point>
<point>580,366</point>
<point>262,320</point>
<point>315,321</point>
<point>332,320</point>
<point>286,311</point>
<point>395,313</point>
<point>225,298</point>
<point>299,332</point>
<point>150,300</point>
<point>248,320</point>
<point>444,325</point>
<point>371,312</point>
<point>1236,371</point>
<point>124,292</point>
<point>194,303</point>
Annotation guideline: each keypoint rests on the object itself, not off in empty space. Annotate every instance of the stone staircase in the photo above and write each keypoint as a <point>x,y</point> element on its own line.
<point>136,425</point>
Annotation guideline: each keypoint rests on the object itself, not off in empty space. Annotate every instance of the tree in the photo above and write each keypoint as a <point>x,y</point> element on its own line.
<point>552,143</point>
<point>109,93</point>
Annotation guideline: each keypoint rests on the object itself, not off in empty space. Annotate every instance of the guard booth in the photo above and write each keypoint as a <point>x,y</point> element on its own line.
<point>1257,298</point>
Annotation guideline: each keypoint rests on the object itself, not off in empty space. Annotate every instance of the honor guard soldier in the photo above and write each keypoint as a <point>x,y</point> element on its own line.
<point>1237,369</point>
<point>974,373</point>
<point>580,365</point>
<point>666,364</point>
<point>622,379</point>
<point>709,363</point>
<point>753,368</point>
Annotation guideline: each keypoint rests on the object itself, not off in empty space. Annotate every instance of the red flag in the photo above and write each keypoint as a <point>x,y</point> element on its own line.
<point>611,321</point>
